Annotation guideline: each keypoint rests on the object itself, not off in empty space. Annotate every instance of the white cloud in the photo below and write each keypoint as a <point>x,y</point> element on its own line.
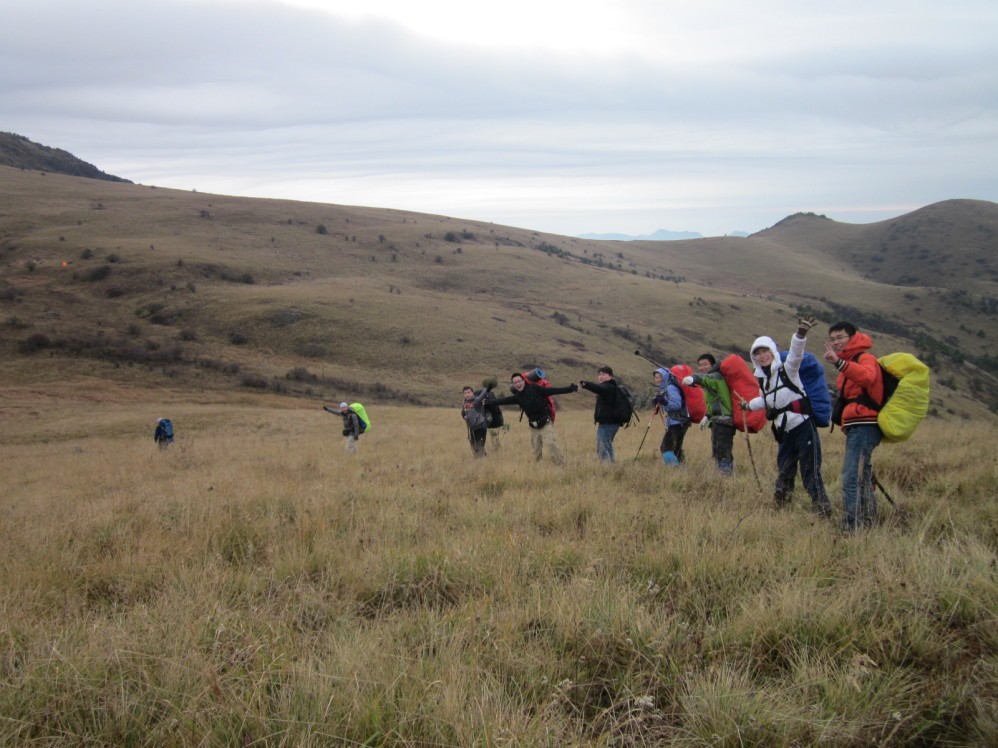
<point>625,115</point>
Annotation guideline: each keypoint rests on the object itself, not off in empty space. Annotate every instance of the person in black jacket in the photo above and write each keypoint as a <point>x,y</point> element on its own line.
<point>607,415</point>
<point>351,425</point>
<point>532,399</point>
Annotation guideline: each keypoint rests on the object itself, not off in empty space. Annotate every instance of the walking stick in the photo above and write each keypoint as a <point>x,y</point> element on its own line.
<point>650,360</point>
<point>878,484</point>
<point>642,441</point>
<point>749,442</point>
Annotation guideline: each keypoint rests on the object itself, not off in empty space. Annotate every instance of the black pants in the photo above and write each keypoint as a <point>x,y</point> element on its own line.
<point>477,439</point>
<point>722,439</point>
<point>673,440</point>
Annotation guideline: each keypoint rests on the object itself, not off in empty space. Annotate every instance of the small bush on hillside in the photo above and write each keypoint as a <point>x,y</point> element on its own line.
<point>254,381</point>
<point>99,273</point>
<point>321,229</point>
<point>35,342</point>
<point>86,254</point>
<point>312,350</point>
<point>237,338</point>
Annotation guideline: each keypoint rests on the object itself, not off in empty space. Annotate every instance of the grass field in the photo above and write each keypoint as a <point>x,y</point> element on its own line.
<point>254,585</point>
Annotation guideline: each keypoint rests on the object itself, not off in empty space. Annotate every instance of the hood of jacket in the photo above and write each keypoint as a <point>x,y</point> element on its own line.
<point>858,343</point>
<point>766,342</point>
<point>666,377</point>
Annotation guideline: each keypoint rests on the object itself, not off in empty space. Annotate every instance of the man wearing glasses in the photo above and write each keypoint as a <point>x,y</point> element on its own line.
<point>861,390</point>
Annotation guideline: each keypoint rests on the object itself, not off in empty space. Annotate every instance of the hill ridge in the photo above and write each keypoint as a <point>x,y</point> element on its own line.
<point>206,291</point>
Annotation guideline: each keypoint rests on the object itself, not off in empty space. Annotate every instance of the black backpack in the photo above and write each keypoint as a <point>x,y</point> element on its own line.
<point>493,413</point>
<point>623,406</point>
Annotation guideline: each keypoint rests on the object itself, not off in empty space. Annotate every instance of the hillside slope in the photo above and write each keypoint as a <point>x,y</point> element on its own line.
<point>19,152</point>
<point>195,291</point>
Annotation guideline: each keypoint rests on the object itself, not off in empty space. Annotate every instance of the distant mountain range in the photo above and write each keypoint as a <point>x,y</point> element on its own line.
<point>662,235</point>
<point>21,153</point>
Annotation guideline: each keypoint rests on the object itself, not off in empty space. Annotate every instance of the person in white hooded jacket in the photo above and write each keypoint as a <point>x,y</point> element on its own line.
<point>788,410</point>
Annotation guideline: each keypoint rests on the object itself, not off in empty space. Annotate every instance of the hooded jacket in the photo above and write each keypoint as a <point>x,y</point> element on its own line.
<point>776,395</point>
<point>859,374</point>
<point>473,411</point>
<point>717,394</point>
<point>670,398</point>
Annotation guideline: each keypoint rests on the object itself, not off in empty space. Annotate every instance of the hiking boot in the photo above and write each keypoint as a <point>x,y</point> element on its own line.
<point>822,510</point>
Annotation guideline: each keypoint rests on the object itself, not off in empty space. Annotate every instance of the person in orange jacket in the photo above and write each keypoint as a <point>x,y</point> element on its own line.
<point>861,389</point>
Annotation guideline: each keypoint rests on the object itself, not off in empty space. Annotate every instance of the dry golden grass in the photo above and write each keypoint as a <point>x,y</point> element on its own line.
<point>254,584</point>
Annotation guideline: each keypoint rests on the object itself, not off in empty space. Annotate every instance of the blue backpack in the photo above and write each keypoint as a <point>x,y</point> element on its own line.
<point>812,376</point>
<point>167,425</point>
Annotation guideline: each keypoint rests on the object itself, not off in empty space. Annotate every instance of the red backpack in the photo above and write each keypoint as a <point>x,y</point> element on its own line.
<point>695,403</point>
<point>740,381</point>
<point>536,376</point>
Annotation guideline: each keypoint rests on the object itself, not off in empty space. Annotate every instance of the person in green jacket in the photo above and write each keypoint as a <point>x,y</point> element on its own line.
<point>719,413</point>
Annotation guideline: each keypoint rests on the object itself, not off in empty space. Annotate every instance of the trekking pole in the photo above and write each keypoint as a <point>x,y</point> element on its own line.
<point>650,360</point>
<point>878,484</point>
<point>749,442</point>
<point>642,441</point>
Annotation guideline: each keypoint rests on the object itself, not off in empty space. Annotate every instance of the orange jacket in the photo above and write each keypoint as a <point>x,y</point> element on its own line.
<point>859,373</point>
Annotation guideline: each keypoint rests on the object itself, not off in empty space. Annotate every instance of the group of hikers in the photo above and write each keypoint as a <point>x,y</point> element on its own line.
<point>778,393</point>
<point>779,388</point>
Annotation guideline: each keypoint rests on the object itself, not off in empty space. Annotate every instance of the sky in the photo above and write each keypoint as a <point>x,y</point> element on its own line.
<point>563,116</point>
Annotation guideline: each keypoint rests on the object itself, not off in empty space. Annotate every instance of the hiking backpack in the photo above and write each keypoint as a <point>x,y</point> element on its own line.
<point>738,376</point>
<point>536,376</point>
<point>167,425</point>
<point>493,412</point>
<point>365,422</point>
<point>812,376</point>
<point>693,396</point>
<point>906,396</point>
<point>623,406</point>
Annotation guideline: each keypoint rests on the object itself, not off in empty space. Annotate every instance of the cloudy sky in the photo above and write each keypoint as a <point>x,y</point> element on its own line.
<point>569,116</point>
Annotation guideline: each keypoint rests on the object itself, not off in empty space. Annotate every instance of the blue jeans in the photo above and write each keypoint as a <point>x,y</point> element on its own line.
<point>801,448</point>
<point>858,500</point>
<point>604,441</point>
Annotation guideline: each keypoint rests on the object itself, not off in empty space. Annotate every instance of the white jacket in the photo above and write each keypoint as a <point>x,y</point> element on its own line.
<point>775,394</point>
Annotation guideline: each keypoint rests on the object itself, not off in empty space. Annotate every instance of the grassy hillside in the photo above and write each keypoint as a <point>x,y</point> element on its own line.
<point>254,586</point>
<point>205,291</point>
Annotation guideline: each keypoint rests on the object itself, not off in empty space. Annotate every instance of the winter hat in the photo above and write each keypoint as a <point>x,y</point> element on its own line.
<point>343,405</point>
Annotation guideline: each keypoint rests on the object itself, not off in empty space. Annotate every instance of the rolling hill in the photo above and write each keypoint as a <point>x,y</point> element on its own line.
<point>132,285</point>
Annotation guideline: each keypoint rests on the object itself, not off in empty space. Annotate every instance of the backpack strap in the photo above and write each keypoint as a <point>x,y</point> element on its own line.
<point>864,397</point>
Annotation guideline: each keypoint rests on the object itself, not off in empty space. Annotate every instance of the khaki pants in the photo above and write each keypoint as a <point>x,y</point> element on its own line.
<point>351,446</point>
<point>546,435</point>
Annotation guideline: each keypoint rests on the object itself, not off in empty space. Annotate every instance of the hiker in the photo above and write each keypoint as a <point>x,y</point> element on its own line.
<point>163,433</point>
<point>677,418</point>
<point>612,411</point>
<point>860,384</point>
<point>533,401</point>
<point>351,427</point>
<point>473,413</point>
<point>787,410</point>
<point>720,417</point>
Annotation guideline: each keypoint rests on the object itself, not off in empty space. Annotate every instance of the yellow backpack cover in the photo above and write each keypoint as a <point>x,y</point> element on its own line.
<point>909,403</point>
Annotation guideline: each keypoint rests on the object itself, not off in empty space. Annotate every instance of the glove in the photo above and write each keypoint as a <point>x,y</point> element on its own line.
<point>574,387</point>
<point>805,323</point>
<point>688,381</point>
<point>704,422</point>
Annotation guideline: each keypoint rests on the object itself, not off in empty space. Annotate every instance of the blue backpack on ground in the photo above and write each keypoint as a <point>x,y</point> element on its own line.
<point>812,376</point>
